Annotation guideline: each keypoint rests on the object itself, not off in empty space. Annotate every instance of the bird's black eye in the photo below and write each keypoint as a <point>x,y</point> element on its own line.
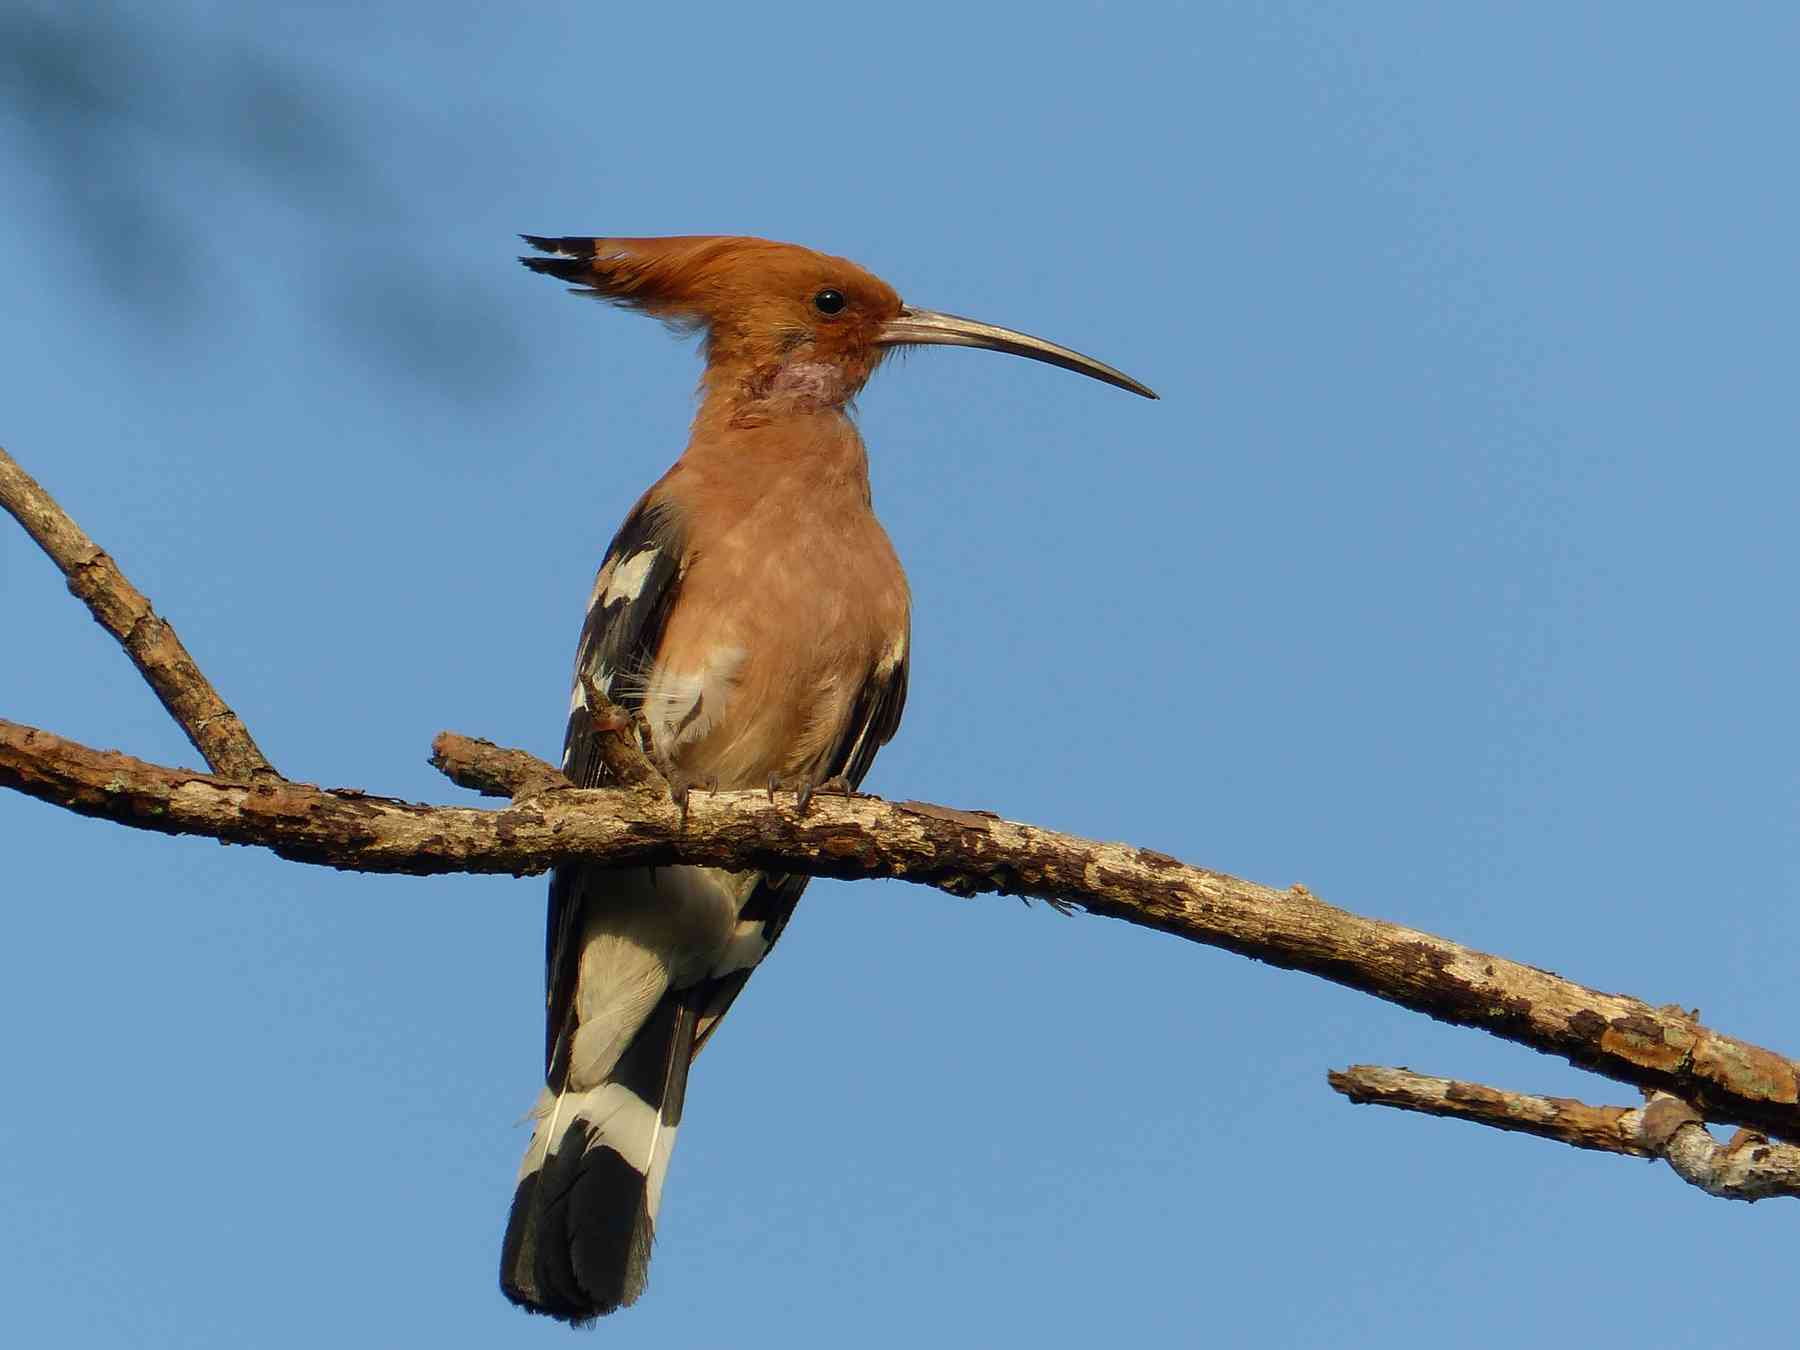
<point>829,301</point>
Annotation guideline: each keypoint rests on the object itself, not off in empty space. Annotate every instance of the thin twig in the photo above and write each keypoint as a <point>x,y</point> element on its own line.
<point>1749,1166</point>
<point>492,770</point>
<point>962,852</point>
<point>122,610</point>
<point>496,771</point>
<point>617,739</point>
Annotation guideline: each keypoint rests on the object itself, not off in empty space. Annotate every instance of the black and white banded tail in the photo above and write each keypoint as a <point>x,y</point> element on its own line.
<point>584,1212</point>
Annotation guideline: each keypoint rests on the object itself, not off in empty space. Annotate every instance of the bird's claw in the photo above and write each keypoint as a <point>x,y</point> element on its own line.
<point>804,788</point>
<point>681,784</point>
<point>777,783</point>
<point>836,783</point>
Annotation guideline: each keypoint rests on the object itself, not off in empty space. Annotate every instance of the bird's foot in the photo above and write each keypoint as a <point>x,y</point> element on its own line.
<point>839,784</point>
<point>803,788</point>
<point>681,784</point>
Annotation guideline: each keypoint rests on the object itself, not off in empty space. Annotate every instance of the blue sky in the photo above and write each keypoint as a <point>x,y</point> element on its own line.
<point>1453,577</point>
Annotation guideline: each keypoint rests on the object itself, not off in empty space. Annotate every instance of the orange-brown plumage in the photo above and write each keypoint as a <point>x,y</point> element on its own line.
<point>755,299</point>
<point>752,611</point>
<point>814,611</point>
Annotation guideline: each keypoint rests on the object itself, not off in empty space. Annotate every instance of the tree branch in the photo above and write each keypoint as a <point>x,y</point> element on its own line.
<point>1747,1167</point>
<point>1662,1050</point>
<point>492,770</point>
<point>963,852</point>
<point>122,610</point>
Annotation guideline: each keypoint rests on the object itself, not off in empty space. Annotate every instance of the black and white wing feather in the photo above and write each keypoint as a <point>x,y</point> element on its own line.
<point>583,1219</point>
<point>627,612</point>
<point>583,1215</point>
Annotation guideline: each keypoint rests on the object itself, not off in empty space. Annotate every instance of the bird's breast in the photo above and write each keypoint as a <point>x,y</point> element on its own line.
<point>783,616</point>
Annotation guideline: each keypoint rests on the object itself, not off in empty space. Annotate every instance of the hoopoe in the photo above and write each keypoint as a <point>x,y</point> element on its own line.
<point>752,612</point>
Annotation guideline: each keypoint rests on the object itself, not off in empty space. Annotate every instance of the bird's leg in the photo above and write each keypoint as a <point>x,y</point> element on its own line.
<point>680,781</point>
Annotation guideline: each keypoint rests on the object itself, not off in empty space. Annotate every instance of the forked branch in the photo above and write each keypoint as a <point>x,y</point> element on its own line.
<point>1748,1166</point>
<point>964,852</point>
<point>121,609</point>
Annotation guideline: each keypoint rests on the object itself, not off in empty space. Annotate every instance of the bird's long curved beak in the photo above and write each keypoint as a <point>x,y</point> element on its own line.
<point>930,328</point>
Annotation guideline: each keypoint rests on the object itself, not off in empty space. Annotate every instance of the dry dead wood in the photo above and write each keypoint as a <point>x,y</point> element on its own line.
<point>1660,1050</point>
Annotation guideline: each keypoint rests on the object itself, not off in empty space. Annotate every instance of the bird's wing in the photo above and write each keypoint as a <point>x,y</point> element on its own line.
<point>636,586</point>
<point>873,719</point>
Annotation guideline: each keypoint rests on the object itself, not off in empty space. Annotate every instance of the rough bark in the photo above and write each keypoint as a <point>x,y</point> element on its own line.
<point>121,609</point>
<point>963,852</point>
<point>1662,1050</point>
<point>1749,1166</point>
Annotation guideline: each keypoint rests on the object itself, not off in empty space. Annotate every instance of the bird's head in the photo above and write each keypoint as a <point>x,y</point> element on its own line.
<point>781,321</point>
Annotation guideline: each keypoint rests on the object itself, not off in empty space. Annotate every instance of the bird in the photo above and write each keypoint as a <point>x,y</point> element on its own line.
<point>752,620</point>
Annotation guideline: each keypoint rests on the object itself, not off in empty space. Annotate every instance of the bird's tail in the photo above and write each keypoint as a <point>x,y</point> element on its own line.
<point>584,1212</point>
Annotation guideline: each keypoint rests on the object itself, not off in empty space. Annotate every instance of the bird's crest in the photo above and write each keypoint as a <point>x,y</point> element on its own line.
<point>779,316</point>
<point>760,303</point>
